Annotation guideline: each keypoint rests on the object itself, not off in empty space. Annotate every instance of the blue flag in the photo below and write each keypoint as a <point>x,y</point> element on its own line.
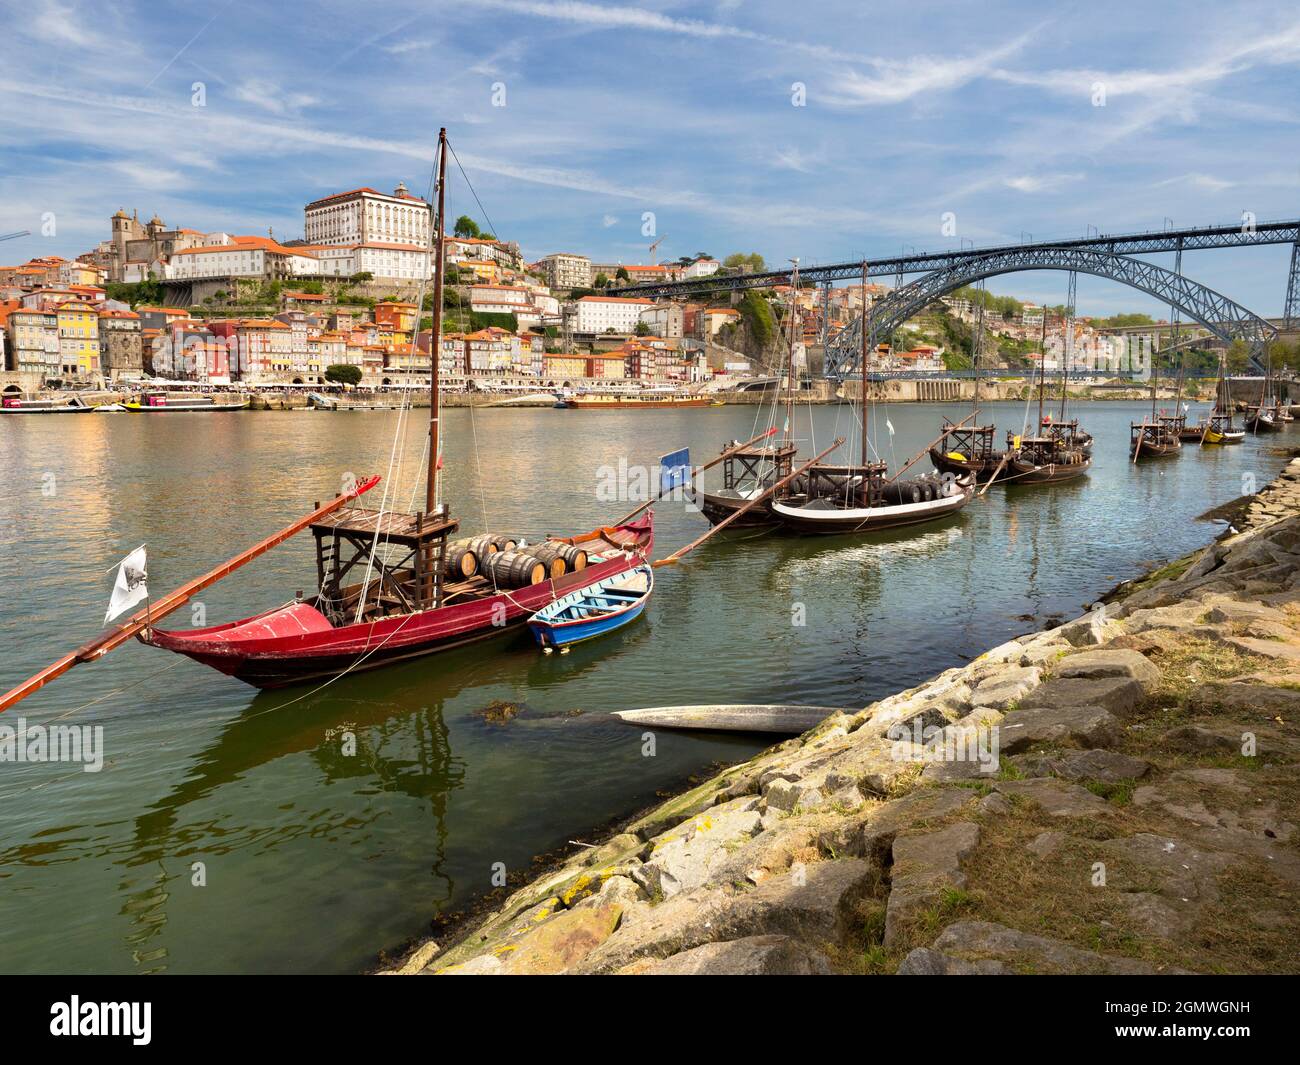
<point>674,469</point>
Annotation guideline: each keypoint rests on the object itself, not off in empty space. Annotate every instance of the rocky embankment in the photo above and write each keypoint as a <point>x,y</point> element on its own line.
<point>1116,795</point>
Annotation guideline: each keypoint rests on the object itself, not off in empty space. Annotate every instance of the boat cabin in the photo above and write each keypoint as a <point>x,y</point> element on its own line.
<point>969,443</point>
<point>408,571</point>
<point>851,486</point>
<point>757,467</point>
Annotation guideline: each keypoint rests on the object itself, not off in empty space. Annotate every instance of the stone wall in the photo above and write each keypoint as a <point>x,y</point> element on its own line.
<point>1138,816</point>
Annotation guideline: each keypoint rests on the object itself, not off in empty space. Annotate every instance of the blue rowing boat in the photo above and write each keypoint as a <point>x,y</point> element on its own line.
<point>594,610</point>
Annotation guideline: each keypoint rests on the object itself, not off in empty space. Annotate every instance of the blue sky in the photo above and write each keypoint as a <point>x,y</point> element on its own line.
<point>683,109</point>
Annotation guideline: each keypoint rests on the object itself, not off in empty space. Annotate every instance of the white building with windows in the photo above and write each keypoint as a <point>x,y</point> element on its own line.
<point>242,257</point>
<point>602,314</point>
<point>365,216</point>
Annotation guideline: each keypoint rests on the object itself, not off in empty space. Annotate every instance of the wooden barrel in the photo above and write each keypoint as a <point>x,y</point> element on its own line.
<point>514,569</point>
<point>575,558</point>
<point>549,553</point>
<point>462,562</point>
<point>482,546</point>
<point>504,543</point>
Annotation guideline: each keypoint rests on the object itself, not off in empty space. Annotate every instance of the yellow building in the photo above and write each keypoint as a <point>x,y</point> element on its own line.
<point>484,269</point>
<point>78,338</point>
<point>558,366</point>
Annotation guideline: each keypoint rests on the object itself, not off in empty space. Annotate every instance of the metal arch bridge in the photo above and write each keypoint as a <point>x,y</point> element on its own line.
<point>1141,243</point>
<point>1221,316</point>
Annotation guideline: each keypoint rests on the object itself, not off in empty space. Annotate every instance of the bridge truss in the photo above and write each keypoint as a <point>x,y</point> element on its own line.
<point>1143,243</point>
<point>1221,316</point>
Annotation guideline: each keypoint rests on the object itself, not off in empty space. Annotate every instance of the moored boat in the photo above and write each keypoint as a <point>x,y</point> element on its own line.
<point>18,405</point>
<point>1042,460</point>
<point>1260,419</point>
<point>842,500</point>
<point>593,610</point>
<point>1151,440</point>
<point>633,401</point>
<point>320,637</point>
<point>163,403</point>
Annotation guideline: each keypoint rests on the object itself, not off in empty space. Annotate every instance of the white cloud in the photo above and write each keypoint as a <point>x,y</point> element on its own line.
<point>897,80</point>
<point>62,24</point>
<point>608,220</point>
<point>147,176</point>
<point>402,47</point>
<point>794,159</point>
<point>1040,182</point>
<point>597,17</point>
<point>1196,180</point>
<point>1266,48</point>
<point>271,97</point>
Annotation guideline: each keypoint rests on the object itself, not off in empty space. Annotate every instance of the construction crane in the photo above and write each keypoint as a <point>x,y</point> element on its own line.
<point>654,247</point>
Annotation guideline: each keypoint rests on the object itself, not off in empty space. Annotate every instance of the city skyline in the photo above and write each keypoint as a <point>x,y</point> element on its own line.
<point>741,126</point>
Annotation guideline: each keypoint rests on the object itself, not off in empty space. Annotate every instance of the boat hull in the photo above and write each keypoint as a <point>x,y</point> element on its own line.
<point>1026,473</point>
<point>185,408</point>
<point>38,408</point>
<point>633,404</point>
<point>717,507</point>
<point>813,521</point>
<point>289,645</point>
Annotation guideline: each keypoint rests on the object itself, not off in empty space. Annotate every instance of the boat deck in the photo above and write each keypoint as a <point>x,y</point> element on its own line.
<point>393,526</point>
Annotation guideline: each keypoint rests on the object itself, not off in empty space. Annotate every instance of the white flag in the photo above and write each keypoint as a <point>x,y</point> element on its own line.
<point>889,425</point>
<point>130,587</point>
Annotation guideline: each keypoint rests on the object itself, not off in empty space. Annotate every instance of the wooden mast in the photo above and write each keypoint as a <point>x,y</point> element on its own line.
<point>790,382</point>
<point>1067,348</point>
<point>1042,373</point>
<point>864,364</point>
<point>435,330</point>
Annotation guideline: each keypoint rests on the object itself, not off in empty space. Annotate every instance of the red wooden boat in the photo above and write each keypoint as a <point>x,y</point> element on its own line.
<point>299,641</point>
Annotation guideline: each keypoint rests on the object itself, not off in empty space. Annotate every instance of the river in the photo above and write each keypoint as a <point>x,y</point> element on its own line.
<point>312,858</point>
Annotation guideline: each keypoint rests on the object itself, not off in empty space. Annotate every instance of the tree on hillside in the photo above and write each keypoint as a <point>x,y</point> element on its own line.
<point>750,264</point>
<point>602,281</point>
<point>757,316</point>
<point>466,227</point>
<point>622,274</point>
<point>642,329</point>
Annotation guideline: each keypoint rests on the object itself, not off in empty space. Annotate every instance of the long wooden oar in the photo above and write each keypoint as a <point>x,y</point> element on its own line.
<point>926,450</point>
<point>748,506</point>
<point>1006,457</point>
<point>142,619</point>
<point>707,466</point>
